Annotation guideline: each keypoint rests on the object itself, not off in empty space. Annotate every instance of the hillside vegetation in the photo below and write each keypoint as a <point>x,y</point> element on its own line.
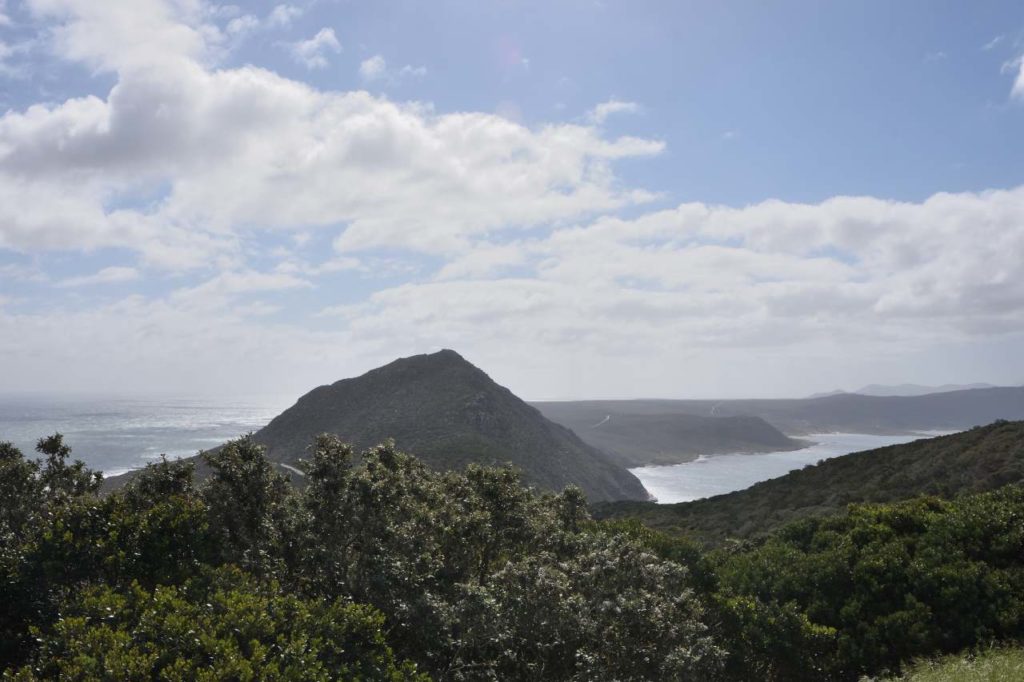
<point>983,458</point>
<point>880,585</point>
<point>388,570</point>
<point>393,571</point>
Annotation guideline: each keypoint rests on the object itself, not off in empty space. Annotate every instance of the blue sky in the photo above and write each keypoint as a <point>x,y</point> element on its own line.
<point>586,198</point>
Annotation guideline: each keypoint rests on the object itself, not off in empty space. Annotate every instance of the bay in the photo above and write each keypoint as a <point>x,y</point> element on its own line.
<point>711,475</point>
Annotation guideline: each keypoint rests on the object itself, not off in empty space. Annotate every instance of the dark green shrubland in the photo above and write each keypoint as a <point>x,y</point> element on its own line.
<point>390,570</point>
<point>385,570</point>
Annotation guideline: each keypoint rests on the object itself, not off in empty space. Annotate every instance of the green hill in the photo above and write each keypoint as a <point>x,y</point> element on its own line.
<point>983,458</point>
<point>664,438</point>
<point>448,413</point>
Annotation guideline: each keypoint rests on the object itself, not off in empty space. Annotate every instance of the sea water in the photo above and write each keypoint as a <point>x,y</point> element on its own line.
<point>117,434</point>
<point>710,475</point>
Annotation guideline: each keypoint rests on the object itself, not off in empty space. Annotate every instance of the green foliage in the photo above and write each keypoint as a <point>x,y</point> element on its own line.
<point>771,641</point>
<point>892,582</point>
<point>481,578</point>
<point>221,626</point>
<point>20,495</point>
<point>604,609</point>
<point>975,461</point>
<point>471,575</point>
<point>61,480</point>
<point>381,568</point>
<point>246,501</point>
<point>36,497</point>
<point>978,460</point>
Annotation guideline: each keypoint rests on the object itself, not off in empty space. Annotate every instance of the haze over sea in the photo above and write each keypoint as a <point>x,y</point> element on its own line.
<point>117,434</point>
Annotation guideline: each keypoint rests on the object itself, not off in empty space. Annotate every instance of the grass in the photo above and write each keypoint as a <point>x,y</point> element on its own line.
<point>994,665</point>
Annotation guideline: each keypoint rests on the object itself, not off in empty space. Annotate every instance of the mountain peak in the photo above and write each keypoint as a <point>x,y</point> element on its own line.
<point>445,357</point>
<point>445,410</point>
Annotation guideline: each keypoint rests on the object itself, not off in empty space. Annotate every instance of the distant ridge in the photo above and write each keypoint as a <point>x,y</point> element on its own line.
<point>449,413</point>
<point>849,412</point>
<point>635,440</point>
<point>905,390</point>
<point>916,389</point>
<point>981,459</point>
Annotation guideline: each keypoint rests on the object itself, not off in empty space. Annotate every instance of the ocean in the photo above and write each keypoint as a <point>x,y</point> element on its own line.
<point>711,475</point>
<point>118,434</point>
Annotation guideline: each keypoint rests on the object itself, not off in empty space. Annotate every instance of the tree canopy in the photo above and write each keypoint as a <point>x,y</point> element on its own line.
<point>388,570</point>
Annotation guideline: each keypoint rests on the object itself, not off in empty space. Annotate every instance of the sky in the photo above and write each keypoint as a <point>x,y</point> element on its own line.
<point>585,198</point>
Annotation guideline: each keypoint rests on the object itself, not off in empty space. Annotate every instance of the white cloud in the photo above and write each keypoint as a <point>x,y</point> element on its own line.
<point>312,53</point>
<point>851,272</point>
<point>1018,83</point>
<point>110,275</point>
<point>222,289</point>
<point>375,69</point>
<point>187,165</point>
<point>283,15</point>
<point>413,71</point>
<point>129,35</point>
<point>243,25</point>
<point>992,43</point>
<point>246,147</point>
<point>602,111</point>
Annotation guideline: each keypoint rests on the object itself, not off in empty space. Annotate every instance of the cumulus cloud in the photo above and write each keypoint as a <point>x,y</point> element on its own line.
<point>505,238</point>
<point>240,26</point>
<point>853,270</point>
<point>412,71</point>
<point>283,15</point>
<point>312,53</point>
<point>128,35</point>
<point>375,69</point>
<point>246,147</point>
<point>600,113</point>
